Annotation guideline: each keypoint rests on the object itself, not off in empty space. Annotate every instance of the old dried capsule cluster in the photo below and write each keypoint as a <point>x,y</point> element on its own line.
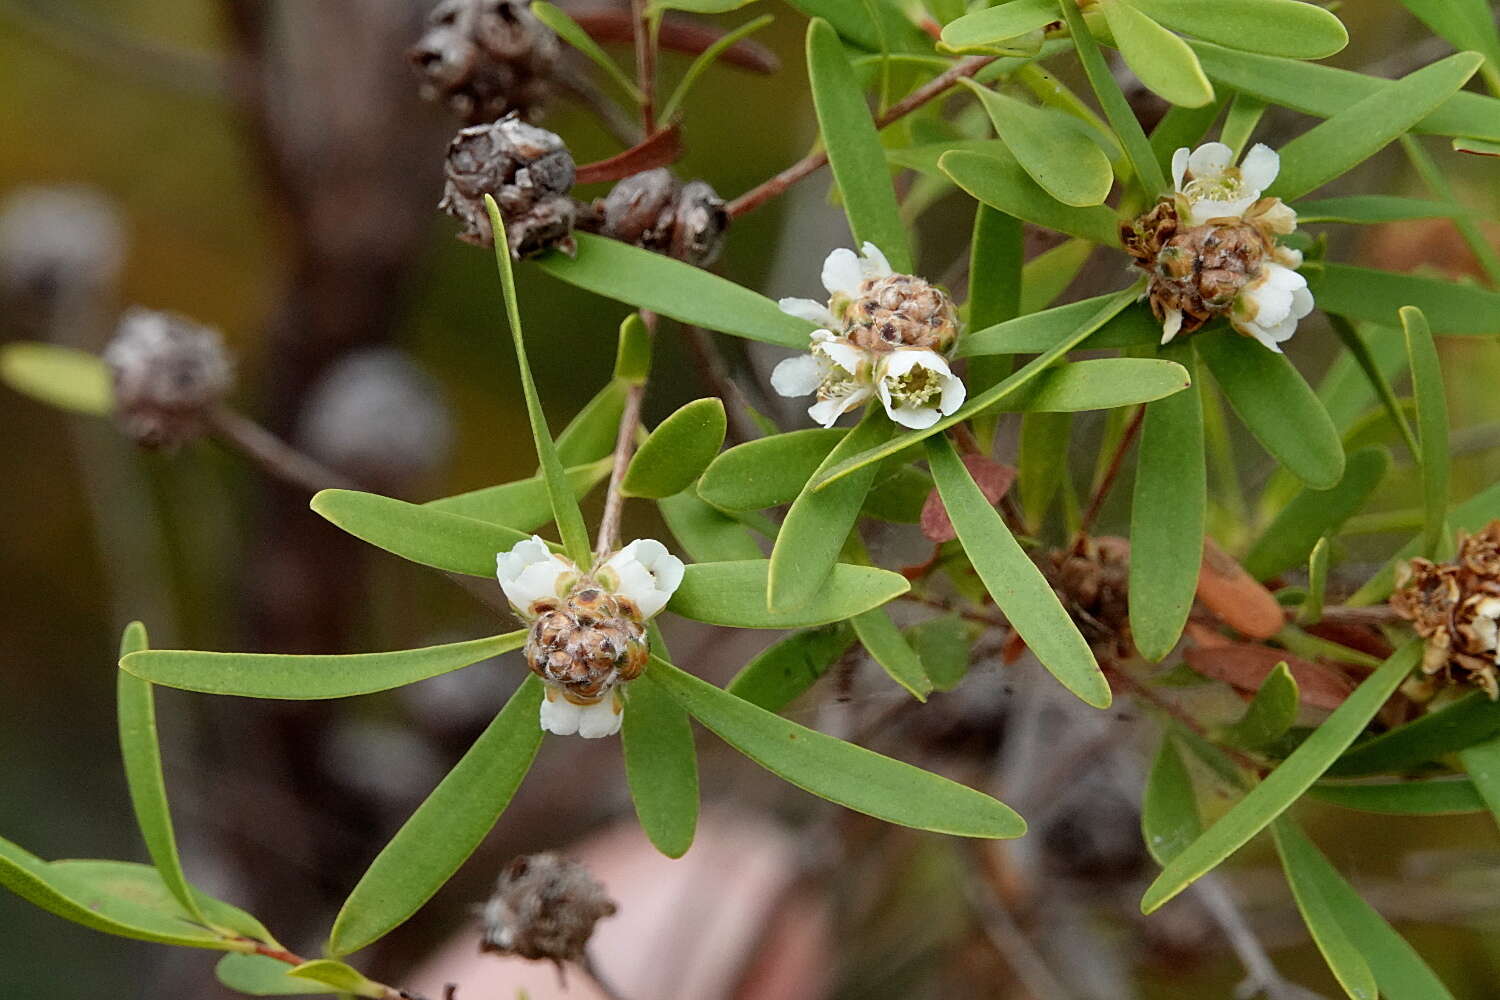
<point>527,170</point>
<point>486,59</point>
<point>587,643</point>
<point>544,907</point>
<point>655,210</point>
<point>168,374</point>
<point>1093,580</point>
<point>1455,607</point>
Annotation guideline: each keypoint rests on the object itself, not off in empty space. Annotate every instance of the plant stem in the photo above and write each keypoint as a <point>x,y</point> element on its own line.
<point>630,423</point>
<point>645,62</point>
<point>1111,473</point>
<point>272,454</point>
<point>292,958</point>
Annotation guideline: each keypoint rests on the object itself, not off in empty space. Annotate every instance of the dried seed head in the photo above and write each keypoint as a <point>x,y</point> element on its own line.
<point>1093,581</point>
<point>1455,607</point>
<point>1427,596</point>
<point>486,59</point>
<point>168,372</point>
<point>654,210</point>
<point>588,643</point>
<point>1479,554</point>
<point>527,170</point>
<point>1198,270</point>
<point>900,310</point>
<point>544,906</point>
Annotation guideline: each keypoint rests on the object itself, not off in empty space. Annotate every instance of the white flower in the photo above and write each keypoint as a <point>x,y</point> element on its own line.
<point>563,717</point>
<point>1171,323</point>
<point>532,572</point>
<point>843,273</point>
<point>917,387</point>
<point>833,369</point>
<point>1213,189</point>
<point>645,573</point>
<point>1269,307</point>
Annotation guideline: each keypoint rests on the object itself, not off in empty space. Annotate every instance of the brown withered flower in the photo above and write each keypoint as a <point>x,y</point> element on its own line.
<point>588,643</point>
<point>544,907</point>
<point>1093,580</point>
<point>527,170</point>
<point>900,310</point>
<point>1455,607</point>
<point>1479,555</point>
<point>655,210</point>
<point>168,373</point>
<point>485,59</point>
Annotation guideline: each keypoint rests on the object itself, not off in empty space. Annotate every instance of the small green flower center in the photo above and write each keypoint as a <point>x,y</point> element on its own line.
<point>917,386</point>
<point>1225,187</point>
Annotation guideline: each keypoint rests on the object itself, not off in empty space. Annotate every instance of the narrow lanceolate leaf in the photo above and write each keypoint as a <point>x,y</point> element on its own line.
<point>661,765</point>
<point>1360,131</point>
<point>813,533</point>
<point>1019,589</point>
<point>767,471</point>
<point>1471,515</point>
<point>59,376</point>
<point>1038,331</point>
<point>1468,24</point>
<point>1289,539</point>
<point>1270,715</point>
<point>1180,127</point>
<point>678,451</point>
<point>1320,912</point>
<point>1053,148</point>
<point>136,708</point>
<point>706,58</point>
<point>590,436</point>
<point>1371,209</point>
<point>262,976</point>
<point>423,534</point>
<point>1167,519</point>
<point>1399,971</point>
<point>945,645</point>
<point>446,828</point>
<point>572,32</point>
<point>854,150</point>
<point>989,27</point>
<point>1432,426</point>
<point>733,593</point>
<point>779,675</point>
<point>1277,405</point>
<point>1162,61</point>
<point>1169,811</point>
<point>998,181</point>
<point>1275,27</point>
<point>706,533</point>
<point>1318,559</point>
<point>1283,786</point>
<point>345,978</point>
<point>522,505</point>
<point>840,772</point>
<point>1482,761</point>
<point>889,648</point>
<point>1471,720</point>
<point>1436,797</point>
<point>278,675</point>
<point>1097,384</point>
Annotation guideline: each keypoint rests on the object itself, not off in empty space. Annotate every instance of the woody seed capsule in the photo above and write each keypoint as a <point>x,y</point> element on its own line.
<point>527,170</point>
<point>1455,607</point>
<point>588,643</point>
<point>168,373</point>
<point>656,211</point>
<point>544,906</point>
<point>900,310</point>
<point>486,59</point>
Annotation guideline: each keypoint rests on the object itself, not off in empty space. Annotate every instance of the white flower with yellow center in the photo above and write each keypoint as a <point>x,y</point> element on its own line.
<point>1210,187</point>
<point>834,370</point>
<point>917,387</point>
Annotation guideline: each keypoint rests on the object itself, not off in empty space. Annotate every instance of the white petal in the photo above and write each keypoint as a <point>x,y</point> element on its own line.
<point>1179,167</point>
<point>1288,257</point>
<point>874,264</point>
<point>648,574</point>
<point>954,394</point>
<point>845,355</point>
<point>1203,209</point>
<point>1279,218</point>
<point>898,363</point>
<point>842,272</point>
<point>1171,325</point>
<point>916,417</point>
<point>1209,160</point>
<point>1302,302</point>
<point>559,715</point>
<point>600,719</point>
<point>808,309</point>
<point>529,572</point>
<point>827,411</point>
<point>798,376</point>
<point>1260,166</point>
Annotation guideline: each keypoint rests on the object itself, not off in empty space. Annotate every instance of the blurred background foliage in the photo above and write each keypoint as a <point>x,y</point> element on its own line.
<point>142,101</point>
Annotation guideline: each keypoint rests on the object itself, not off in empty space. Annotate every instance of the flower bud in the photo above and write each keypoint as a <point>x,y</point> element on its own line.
<point>588,643</point>
<point>486,59</point>
<point>900,310</point>
<point>527,170</point>
<point>656,211</point>
<point>544,906</point>
<point>168,373</point>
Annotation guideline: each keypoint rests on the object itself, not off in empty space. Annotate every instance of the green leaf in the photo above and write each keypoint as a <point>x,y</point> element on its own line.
<point>854,150</point>
<point>590,436</point>
<point>988,27</point>
<point>889,648</point>
<point>425,535</point>
<point>1468,24</point>
<point>899,493</point>
<point>1270,715</point>
<point>1039,331</point>
<point>1240,122</point>
<point>571,32</point>
<point>1482,762</point>
<point>1286,783</point>
<point>1045,277</point>
<point>1399,971</point>
<point>279,675</point>
<point>1471,515</point>
<point>1277,406</point>
<point>59,376</point>
<point>1161,60</point>
<point>1042,462</point>
<point>1364,128</point>
<point>706,58</point>
<point>522,505</point>
<point>661,765</point>
<point>944,645</point>
<point>768,471</point>
<point>813,533</point>
<point>999,181</point>
<point>136,710</point>
<point>1432,426</point>
<point>706,533</point>
<point>732,593</point>
<point>1180,127</point>
<point>840,772</point>
<point>1167,514</point>
<point>1098,384</point>
<point>1471,720</point>
<point>338,975</point>
<point>1054,148</point>
<point>262,976</point>
<point>1289,539</point>
<point>1477,147</point>
<point>1169,809</point>
<point>700,7</point>
<point>446,828</point>
<point>1317,583</point>
<point>782,672</point>
<point>1276,27</point>
<point>873,25</point>
<point>1320,913</point>
<point>565,512</point>
<point>1370,209</point>
<point>678,450</point>
<point>1437,797</point>
<point>1018,587</point>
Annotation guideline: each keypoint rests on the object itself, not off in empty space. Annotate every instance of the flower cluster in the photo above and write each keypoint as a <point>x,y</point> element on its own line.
<point>881,334</point>
<point>1212,248</point>
<point>1455,606</point>
<point>588,630</point>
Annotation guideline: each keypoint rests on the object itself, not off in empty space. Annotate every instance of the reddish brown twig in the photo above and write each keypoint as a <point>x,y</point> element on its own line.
<point>1101,493</point>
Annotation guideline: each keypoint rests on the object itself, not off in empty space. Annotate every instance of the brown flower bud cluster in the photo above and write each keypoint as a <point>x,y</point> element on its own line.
<point>900,310</point>
<point>527,170</point>
<point>544,906</point>
<point>1455,607</point>
<point>656,211</point>
<point>1198,270</point>
<point>168,373</point>
<point>485,59</point>
<point>588,643</point>
<point>1093,580</point>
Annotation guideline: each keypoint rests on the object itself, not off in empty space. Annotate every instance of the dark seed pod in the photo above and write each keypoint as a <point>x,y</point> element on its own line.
<point>527,170</point>
<point>588,644</point>
<point>168,373</point>
<point>486,59</point>
<point>656,211</point>
<point>544,906</point>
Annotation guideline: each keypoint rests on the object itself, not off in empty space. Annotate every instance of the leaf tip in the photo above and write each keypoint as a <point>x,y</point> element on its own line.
<point>133,639</point>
